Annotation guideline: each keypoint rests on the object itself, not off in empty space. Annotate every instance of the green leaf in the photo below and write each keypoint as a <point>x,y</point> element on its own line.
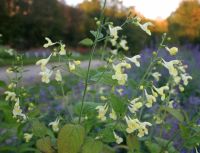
<point>86,42</point>
<point>174,112</point>
<point>107,135</point>
<point>44,145</point>
<point>133,143</point>
<point>39,129</point>
<point>92,146</point>
<point>70,138</point>
<point>94,33</point>
<point>118,104</point>
<point>88,108</point>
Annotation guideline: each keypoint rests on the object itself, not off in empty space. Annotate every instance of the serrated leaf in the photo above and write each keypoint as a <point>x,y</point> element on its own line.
<point>92,146</point>
<point>39,129</point>
<point>70,138</point>
<point>44,145</point>
<point>86,42</point>
<point>174,112</point>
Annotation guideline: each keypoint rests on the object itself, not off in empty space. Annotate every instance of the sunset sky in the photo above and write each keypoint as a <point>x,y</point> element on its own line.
<point>152,9</point>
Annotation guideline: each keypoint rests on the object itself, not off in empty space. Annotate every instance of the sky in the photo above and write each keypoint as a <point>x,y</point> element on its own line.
<point>153,9</point>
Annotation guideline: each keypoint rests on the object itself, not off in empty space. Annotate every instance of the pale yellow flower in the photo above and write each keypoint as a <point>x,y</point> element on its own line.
<point>186,78</point>
<point>46,74</point>
<point>181,88</point>
<point>11,85</point>
<point>103,98</point>
<point>114,52</point>
<point>135,60</point>
<point>118,139</point>
<point>172,51</point>
<point>156,76</point>
<point>135,105</point>
<point>43,62</point>
<point>77,62</point>
<point>144,27</point>
<point>72,66</point>
<point>17,111</point>
<point>114,31</point>
<point>49,43</point>
<point>62,50</point>
<point>58,76</point>
<point>113,115</point>
<point>102,110</point>
<point>123,44</point>
<point>121,78</point>
<point>27,137</point>
<point>171,68</point>
<point>133,124</point>
<point>142,130</point>
<point>150,99</point>
<point>55,125</point>
<point>157,119</point>
<point>10,96</point>
<point>9,70</point>
<point>161,90</point>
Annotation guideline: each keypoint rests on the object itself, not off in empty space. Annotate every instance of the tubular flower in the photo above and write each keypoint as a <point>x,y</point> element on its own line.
<point>185,78</point>
<point>55,125</point>
<point>161,90</point>
<point>119,75</point>
<point>172,51</point>
<point>27,137</point>
<point>123,44</point>
<point>171,68</point>
<point>121,78</point>
<point>117,138</point>
<point>58,76</point>
<point>156,76</point>
<point>133,124</point>
<point>10,96</point>
<point>103,98</point>
<point>113,115</point>
<point>62,50</point>
<point>17,111</point>
<point>43,62</point>
<point>11,85</point>
<point>150,99</point>
<point>144,27</point>
<point>49,43</point>
<point>135,105</point>
<point>135,60</point>
<point>72,65</point>
<point>9,70</point>
<point>114,31</point>
<point>46,74</point>
<point>142,130</point>
<point>102,110</point>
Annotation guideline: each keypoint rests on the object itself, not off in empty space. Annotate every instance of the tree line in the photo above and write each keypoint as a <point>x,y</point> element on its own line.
<point>25,23</point>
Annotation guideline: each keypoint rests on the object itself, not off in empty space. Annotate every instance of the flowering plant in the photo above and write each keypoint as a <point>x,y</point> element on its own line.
<point>114,121</point>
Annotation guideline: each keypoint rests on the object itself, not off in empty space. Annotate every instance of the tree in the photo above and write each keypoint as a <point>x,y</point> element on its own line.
<point>184,23</point>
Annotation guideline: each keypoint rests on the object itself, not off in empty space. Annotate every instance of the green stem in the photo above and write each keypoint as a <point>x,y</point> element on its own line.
<point>90,60</point>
